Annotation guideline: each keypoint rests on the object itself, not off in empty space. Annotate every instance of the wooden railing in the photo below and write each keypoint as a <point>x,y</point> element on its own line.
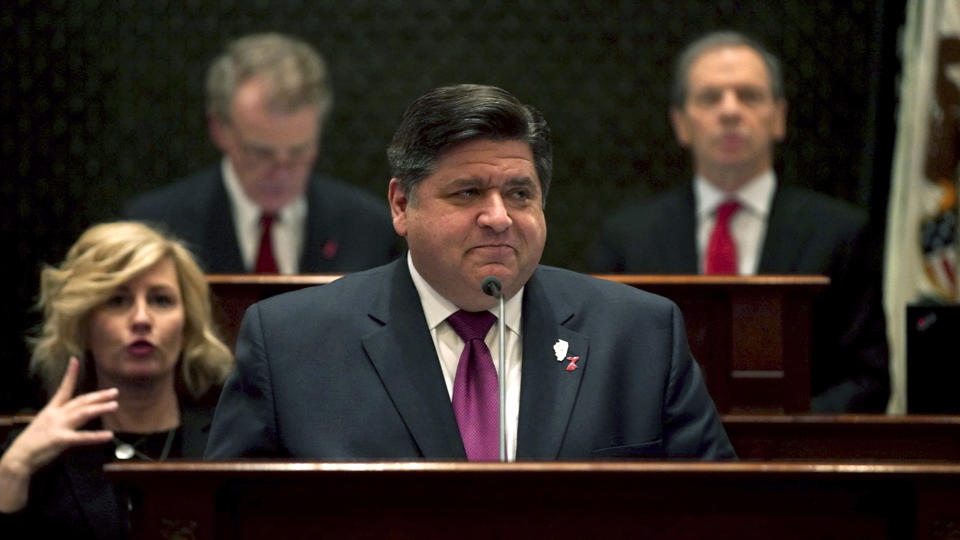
<point>892,438</point>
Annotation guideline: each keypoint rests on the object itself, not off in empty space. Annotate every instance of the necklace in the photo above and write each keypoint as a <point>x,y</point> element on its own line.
<point>125,450</point>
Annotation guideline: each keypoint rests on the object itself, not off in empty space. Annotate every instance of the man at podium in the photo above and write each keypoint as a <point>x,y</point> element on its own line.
<point>738,217</point>
<point>262,208</point>
<point>397,362</point>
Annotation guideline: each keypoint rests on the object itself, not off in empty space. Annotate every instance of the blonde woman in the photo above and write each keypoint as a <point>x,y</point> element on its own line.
<point>128,352</point>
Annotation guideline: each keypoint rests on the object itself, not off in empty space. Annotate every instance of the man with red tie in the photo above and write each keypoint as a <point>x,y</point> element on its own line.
<point>728,109</point>
<point>397,362</point>
<point>262,209</point>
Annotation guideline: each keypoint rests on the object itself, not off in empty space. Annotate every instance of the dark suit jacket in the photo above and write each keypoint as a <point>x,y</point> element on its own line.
<point>349,370</point>
<point>70,498</point>
<point>347,229</point>
<point>807,233</point>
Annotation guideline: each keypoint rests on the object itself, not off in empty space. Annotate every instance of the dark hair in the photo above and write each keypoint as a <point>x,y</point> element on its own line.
<point>451,115</point>
<point>720,40</point>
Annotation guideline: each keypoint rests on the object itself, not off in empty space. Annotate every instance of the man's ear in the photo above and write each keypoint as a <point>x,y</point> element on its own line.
<point>217,132</point>
<point>398,206</point>
<point>679,123</point>
<point>779,128</point>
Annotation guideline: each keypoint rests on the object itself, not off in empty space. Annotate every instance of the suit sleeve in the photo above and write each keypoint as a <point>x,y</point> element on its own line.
<point>851,363</point>
<point>691,424</point>
<point>244,424</point>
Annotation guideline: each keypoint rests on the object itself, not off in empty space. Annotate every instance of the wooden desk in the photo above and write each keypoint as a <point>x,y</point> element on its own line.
<point>897,439</point>
<point>233,294</point>
<point>894,438</point>
<point>751,334</point>
<point>542,500</point>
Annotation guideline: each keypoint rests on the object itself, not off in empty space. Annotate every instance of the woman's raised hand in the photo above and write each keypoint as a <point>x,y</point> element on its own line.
<point>55,428</point>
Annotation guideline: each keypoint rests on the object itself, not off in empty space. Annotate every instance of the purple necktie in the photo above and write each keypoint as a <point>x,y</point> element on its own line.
<point>476,400</point>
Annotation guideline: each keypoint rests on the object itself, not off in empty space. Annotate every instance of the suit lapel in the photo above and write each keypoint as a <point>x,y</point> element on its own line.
<point>548,390</point>
<point>222,250</point>
<point>311,260</point>
<point>680,233</point>
<point>786,230</point>
<point>405,358</point>
<point>667,241</point>
<point>322,244</point>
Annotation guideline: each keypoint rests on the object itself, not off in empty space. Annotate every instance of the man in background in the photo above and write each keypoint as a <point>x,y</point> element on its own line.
<point>397,362</point>
<point>728,108</point>
<point>261,209</point>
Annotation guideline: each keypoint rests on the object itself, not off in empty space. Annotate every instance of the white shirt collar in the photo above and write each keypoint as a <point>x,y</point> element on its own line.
<point>288,231</point>
<point>246,211</point>
<point>755,196</point>
<point>436,308</point>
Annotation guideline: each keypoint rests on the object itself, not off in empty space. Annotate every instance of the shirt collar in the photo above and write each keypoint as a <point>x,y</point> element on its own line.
<point>245,210</point>
<point>755,196</point>
<point>436,308</point>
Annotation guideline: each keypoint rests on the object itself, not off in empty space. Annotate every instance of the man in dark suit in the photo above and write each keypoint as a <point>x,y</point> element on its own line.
<point>388,363</point>
<point>728,109</point>
<point>261,209</point>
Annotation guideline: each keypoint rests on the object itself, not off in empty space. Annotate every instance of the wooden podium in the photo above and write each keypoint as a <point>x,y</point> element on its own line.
<point>256,500</point>
<point>805,437</point>
<point>751,334</point>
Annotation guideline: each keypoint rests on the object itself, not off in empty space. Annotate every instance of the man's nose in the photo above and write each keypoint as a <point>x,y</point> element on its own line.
<point>283,160</point>
<point>730,106</point>
<point>494,213</point>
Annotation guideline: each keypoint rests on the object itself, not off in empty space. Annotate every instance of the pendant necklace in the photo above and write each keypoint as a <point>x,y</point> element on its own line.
<point>125,450</point>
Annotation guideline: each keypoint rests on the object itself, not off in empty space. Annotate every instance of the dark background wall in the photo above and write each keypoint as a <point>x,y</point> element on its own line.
<point>102,100</point>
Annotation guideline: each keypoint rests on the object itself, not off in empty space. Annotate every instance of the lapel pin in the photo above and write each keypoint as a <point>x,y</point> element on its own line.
<point>560,349</point>
<point>573,362</point>
<point>330,249</point>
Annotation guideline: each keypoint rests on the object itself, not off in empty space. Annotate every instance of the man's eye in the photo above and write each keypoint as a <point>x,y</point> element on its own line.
<point>521,194</point>
<point>750,96</point>
<point>707,98</point>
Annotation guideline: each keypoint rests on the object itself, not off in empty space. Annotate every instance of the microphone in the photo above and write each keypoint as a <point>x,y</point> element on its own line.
<point>491,286</point>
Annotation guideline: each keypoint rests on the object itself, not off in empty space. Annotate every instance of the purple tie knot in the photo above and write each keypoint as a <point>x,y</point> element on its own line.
<point>471,325</point>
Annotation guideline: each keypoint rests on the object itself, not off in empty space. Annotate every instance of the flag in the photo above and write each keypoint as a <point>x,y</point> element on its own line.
<point>923,239</point>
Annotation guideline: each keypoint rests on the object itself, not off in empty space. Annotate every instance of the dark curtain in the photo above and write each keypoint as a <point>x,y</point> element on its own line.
<point>102,100</point>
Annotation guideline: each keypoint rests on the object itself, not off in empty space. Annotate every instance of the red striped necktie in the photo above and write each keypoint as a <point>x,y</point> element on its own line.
<point>721,250</point>
<point>266,262</point>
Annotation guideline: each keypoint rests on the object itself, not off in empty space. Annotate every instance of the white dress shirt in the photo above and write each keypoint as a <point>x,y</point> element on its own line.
<point>748,226</point>
<point>448,344</point>
<point>286,232</point>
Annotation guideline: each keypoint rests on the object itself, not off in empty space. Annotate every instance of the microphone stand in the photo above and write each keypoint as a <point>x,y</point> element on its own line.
<point>492,287</point>
<point>502,382</point>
